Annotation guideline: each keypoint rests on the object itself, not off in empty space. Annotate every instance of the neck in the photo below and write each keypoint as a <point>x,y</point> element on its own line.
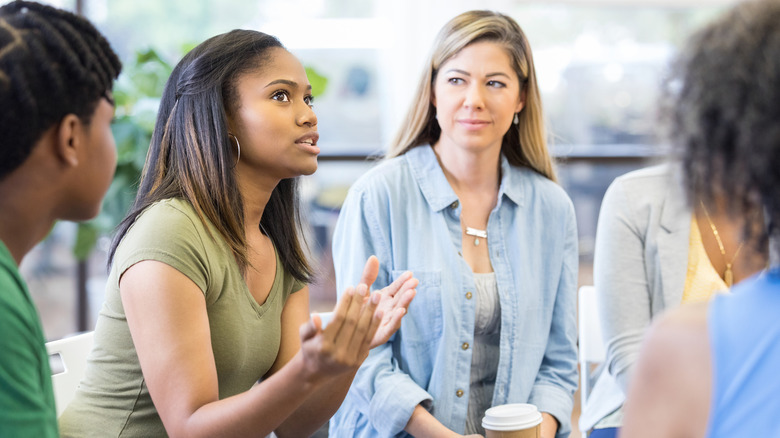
<point>470,171</point>
<point>255,193</point>
<point>23,219</point>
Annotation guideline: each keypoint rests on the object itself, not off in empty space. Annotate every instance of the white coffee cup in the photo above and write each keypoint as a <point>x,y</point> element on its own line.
<point>518,420</point>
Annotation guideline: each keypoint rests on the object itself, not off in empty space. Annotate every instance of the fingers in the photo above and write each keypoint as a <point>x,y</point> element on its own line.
<point>404,281</point>
<point>370,271</point>
<point>366,327</point>
<point>317,321</point>
<point>339,315</point>
<point>310,328</point>
<point>404,299</point>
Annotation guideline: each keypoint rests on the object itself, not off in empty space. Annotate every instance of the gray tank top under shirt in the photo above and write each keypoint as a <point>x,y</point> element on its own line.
<point>485,351</point>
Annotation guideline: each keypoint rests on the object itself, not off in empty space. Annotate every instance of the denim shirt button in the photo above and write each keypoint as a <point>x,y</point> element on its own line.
<point>454,205</point>
<point>465,346</point>
<point>459,393</point>
<point>469,295</point>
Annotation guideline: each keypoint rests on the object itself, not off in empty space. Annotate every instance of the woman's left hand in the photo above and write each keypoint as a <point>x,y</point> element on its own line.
<point>394,301</point>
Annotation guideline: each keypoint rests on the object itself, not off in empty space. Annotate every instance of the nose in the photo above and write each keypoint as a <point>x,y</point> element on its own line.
<point>307,117</point>
<point>474,98</point>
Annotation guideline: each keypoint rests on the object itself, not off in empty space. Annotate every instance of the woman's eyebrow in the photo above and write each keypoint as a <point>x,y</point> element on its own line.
<point>465,73</point>
<point>287,82</point>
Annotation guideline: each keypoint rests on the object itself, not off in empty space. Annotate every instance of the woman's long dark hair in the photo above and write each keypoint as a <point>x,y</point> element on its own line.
<point>191,156</point>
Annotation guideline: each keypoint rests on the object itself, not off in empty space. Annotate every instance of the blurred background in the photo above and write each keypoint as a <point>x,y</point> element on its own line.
<point>600,65</point>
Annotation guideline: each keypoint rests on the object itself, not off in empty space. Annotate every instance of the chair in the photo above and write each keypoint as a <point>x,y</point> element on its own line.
<point>73,351</point>
<point>592,348</point>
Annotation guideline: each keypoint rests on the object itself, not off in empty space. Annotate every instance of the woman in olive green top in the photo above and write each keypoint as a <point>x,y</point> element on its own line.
<point>57,158</point>
<point>207,292</point>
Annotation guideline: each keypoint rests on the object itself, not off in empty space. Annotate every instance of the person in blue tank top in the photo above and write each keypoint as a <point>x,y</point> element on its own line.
<point>711,369</point>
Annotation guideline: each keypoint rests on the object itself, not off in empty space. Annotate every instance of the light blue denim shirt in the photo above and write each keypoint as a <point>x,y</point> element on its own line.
<point>405,212</point>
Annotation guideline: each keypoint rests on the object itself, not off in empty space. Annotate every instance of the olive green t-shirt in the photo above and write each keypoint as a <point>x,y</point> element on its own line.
<point>113,399</point>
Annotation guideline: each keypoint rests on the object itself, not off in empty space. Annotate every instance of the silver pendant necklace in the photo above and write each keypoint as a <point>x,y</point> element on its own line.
<point>477,234</point>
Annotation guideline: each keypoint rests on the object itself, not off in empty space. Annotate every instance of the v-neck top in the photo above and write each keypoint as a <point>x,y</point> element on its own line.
<point>702,281</point>
<point>113,399</point>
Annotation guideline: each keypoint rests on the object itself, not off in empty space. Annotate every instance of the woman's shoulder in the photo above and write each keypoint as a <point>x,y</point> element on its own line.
<point>539,188</point>
<point>648,180</point>
<point>646,188</point>
<point>166,221</point>
<point>388,173</point>
<point>168,214</point>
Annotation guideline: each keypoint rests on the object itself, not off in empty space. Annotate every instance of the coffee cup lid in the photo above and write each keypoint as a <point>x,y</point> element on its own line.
<point>511,417</point>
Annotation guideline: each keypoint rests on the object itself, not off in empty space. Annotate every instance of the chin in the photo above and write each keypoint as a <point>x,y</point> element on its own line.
<point>82,214</point>
<point>309,169</point>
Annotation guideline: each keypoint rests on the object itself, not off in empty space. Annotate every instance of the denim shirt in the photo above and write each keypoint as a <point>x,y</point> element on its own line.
<point>405,212</point>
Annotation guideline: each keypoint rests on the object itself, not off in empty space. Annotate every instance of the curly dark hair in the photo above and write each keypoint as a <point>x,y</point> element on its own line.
<point>52,63</point>
<point>723,109</point>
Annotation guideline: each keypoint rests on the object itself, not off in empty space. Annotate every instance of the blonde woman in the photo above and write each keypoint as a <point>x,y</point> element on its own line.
<point>468,201</point>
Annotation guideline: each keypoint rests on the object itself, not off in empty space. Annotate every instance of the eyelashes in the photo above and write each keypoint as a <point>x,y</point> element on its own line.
<point>490,83</point>
<point>284,96</point>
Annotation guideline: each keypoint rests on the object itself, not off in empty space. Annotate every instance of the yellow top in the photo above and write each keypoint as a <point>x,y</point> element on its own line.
<point>702,280</point>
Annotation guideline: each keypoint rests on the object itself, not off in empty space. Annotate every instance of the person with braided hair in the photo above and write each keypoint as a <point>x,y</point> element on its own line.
<point>57,160</point>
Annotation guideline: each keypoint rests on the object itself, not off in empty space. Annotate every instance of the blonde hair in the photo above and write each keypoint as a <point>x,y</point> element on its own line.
<point>525,144</point>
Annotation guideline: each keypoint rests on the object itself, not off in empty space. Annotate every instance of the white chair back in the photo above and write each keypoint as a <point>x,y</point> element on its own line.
<point>591,344</point>
<point>73,351</point>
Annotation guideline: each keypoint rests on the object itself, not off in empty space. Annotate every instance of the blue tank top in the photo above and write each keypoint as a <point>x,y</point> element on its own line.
<point>744,332</point>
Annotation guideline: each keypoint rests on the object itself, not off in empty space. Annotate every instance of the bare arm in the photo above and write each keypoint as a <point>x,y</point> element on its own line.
<point>423,424</point>
<point>165,308</point>
<point>549,426</point>
<point>669,394</point>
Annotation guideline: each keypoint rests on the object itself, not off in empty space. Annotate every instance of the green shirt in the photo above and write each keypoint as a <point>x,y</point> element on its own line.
<point>26,396</point>
<point>113,399</point>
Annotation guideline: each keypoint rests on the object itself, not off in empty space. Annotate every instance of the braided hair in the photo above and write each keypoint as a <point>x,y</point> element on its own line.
<point>52,63</point>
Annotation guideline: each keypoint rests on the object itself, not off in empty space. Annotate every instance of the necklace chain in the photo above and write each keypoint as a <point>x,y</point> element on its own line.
<point>728,275</point>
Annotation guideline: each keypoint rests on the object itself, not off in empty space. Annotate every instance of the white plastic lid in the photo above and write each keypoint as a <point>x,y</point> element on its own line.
<point>515,416</point>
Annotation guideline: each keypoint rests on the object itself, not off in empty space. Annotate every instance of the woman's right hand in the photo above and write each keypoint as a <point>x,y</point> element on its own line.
<point>344,343</point>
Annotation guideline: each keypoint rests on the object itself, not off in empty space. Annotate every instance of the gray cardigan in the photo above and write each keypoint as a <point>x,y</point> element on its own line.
<point>640,264</point>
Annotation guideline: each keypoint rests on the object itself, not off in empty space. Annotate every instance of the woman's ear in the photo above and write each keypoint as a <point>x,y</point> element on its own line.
<point>521,103</point>
<point>69,139</point>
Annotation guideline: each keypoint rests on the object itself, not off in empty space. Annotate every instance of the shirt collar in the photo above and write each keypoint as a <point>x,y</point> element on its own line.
<point>437,190</point>
<point>511,182</point>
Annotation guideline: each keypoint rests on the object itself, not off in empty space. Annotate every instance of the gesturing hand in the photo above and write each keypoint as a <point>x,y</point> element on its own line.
<point>394,300</point>
<point>344,343</point>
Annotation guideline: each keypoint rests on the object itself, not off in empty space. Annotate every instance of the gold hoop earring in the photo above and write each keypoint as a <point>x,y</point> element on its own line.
<point>238,147</point>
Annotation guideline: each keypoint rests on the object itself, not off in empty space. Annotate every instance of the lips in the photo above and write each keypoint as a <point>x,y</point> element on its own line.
<point>473,124</point>
<point>308,142</point>
<point>309,139</point>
